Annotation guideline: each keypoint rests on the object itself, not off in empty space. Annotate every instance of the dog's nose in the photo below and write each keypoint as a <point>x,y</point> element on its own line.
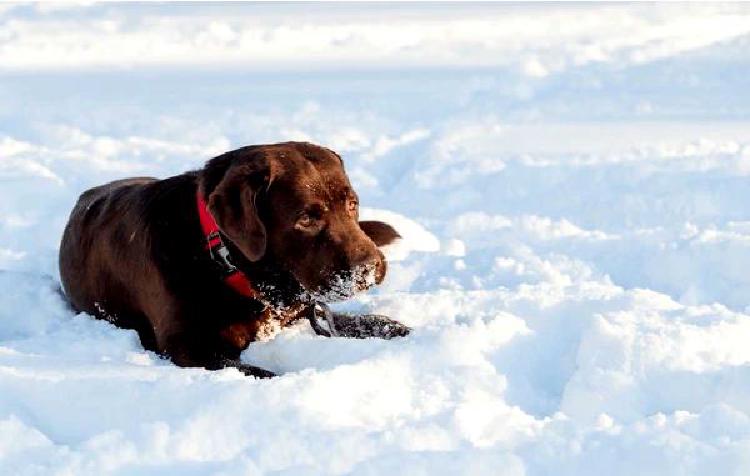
<point>369,266</point>
<point>380,268</point>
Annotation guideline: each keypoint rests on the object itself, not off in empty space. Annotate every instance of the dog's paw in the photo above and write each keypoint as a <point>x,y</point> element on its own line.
<point>253,371</point>
<point>358,326</point>
<point>247,369</point>
<point>368,325</point>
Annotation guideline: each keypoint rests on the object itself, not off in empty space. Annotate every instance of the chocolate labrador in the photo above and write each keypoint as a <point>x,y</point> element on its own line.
<point>203,263</point>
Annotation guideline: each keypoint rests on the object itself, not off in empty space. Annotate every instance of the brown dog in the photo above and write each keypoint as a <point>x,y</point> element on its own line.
<point>142,253</point>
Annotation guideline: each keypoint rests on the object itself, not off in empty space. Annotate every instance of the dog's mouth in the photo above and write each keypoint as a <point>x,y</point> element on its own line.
<point>344,285</point>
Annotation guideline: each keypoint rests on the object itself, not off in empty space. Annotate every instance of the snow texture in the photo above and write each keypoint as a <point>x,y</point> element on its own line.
<point>572,187</point>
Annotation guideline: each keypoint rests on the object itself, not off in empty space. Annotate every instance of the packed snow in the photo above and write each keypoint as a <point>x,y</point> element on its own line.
<point>572,187</point>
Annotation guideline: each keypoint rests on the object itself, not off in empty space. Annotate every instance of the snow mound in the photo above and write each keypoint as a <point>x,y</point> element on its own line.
<point>414,237</point>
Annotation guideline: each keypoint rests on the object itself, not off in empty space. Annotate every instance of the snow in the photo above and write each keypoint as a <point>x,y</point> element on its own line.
<point>571,187</point>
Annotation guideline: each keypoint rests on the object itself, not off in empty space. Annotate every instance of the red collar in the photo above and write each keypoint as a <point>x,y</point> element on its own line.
<point>233,277</point>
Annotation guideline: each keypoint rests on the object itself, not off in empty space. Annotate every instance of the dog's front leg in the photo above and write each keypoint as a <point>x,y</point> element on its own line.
<point>194,349</point>
<point>358,326</point>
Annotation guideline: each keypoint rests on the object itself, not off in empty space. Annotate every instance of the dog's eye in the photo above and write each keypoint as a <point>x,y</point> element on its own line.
<point>305,221</point>
<point>352,206</point>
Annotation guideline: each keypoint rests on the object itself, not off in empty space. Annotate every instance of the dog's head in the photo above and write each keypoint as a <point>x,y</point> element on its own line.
<point>292,205</point>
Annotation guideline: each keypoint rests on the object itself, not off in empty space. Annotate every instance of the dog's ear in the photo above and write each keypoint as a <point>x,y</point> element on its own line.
<point>380,233</point>
<point>233,204</point>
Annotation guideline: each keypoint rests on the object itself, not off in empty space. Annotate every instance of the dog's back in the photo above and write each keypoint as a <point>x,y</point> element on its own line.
<point>104,231</point>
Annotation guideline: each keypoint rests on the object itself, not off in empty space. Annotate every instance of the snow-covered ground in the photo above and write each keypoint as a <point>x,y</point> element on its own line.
<point>573,186</point>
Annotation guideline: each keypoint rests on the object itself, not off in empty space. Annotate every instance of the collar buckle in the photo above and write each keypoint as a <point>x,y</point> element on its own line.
<point>220,254</point>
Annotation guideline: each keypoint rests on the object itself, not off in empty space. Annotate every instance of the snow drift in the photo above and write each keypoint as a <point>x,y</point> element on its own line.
<point>571,183</point>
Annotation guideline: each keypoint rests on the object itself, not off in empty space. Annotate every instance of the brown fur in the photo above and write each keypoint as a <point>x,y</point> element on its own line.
<point>133,250</point>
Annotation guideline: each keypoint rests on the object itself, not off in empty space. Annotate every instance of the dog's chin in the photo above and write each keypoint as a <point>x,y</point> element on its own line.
<point>337,291</point>
<point>342,286</point>
<point>330,294</point>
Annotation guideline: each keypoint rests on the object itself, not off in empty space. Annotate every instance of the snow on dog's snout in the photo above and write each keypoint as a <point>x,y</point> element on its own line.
<point>346,284</point>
